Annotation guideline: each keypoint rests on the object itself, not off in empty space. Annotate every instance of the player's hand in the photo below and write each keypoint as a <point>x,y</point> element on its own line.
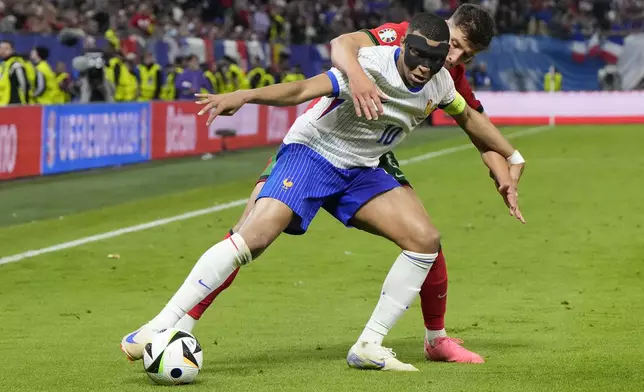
<point>510,197</point>
<point>509,190</point>
<point>221,104</point>
<point>367,97</point>
<point>516,171</point>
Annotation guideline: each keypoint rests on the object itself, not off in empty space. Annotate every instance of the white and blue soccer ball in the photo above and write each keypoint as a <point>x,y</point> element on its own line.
<point>173,357</point>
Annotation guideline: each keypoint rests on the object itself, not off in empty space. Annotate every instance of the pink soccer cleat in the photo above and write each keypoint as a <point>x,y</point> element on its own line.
<point>450,350</point>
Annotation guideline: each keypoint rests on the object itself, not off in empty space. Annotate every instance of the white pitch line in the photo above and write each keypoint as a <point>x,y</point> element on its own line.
<point>220,207</point>
<point>451,150</point>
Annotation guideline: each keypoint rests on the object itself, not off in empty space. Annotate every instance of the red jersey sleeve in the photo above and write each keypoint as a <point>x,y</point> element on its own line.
<point>388,34</point>
<point>463,87</point>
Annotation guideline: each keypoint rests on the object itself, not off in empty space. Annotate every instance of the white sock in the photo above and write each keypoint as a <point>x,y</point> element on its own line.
<point>186,323</point>
<point>401,287</point>
<point>431,335</point>
<point>212,269</point>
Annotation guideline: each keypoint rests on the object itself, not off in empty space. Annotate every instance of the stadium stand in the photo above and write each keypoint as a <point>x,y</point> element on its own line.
<point>286,40</point>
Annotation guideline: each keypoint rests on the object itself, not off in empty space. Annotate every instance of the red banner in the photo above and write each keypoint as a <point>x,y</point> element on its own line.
<point>278,121</point>
<point>177,130</point>
<point>20,141</point>
<point>248,125</point>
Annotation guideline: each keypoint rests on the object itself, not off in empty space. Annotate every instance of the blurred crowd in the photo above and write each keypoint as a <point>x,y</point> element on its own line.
<point>303,21</point>
<point>114,74</point>
<point>568,19</point>
<point>107,75</point>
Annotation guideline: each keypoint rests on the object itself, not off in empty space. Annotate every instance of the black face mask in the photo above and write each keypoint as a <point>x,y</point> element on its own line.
<point>432,57</point>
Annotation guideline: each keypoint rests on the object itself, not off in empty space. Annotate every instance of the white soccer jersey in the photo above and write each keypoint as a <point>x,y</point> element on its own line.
<point>330,125</point>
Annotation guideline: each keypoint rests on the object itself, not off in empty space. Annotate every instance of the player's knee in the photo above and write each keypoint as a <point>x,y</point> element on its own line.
<point>259,236</point>
<point>257,243</point>
<point>422,238</point>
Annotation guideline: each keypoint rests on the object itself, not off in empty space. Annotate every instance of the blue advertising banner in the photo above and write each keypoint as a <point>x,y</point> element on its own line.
<point>79,137</point>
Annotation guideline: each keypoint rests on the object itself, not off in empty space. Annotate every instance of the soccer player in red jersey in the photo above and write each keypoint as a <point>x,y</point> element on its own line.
<point>471,30</point>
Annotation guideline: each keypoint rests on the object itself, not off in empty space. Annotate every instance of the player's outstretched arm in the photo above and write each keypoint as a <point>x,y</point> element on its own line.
<point>282,94</point>
<point>344,56</point>
<point>294,93</point>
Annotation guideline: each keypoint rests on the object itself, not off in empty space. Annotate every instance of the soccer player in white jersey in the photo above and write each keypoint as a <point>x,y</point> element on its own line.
<point>471,31</point>
<point>329,160</point>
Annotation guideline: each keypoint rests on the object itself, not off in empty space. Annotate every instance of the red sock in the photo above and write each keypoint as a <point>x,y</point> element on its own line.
<point>201,307</point>
<point>433,295</point>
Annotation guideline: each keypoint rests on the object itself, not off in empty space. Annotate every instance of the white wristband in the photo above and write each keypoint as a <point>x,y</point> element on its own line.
<point>515,158</point>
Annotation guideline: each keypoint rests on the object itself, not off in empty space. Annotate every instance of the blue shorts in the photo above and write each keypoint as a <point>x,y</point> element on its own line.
<point>305,181</point>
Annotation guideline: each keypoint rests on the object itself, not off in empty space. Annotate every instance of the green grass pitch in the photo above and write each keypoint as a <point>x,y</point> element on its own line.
<point>555,305</point>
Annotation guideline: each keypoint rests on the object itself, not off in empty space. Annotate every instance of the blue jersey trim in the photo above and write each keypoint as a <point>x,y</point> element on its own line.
<point>336,102</point>
<point>334,83</point>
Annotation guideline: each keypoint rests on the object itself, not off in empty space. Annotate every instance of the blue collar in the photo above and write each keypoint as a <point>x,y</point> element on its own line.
<point>412,89</point>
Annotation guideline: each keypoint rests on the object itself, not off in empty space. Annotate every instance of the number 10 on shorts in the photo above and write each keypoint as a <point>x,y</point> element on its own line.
<point>390,134</point>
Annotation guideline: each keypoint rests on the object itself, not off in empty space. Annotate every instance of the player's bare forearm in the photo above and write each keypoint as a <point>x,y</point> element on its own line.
<point>497,164</point>
<point>283,94</point>
<point>499,169</point>
<point>344,51</point>
<point>293,93</point>
<point>484,135</point>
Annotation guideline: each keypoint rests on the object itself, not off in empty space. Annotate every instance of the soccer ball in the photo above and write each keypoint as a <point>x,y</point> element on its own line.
<point>173,357</point>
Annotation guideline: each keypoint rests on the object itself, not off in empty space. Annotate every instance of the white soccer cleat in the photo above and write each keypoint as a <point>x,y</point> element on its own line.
<point>365,355</point>
<point>134,343</point>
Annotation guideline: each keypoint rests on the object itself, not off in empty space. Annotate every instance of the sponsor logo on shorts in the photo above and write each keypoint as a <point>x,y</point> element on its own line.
<point>287,184</point>
<point>392,162</point>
